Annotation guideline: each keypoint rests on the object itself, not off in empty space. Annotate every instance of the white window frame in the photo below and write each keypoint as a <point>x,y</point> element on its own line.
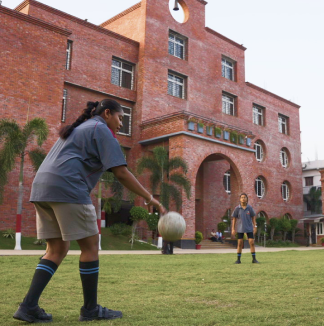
<point>283,124</point>
<point>171,79</point>
<point>256,145</point>
<point>228,104</point>
<point>228,65</point>
<point>68,55</point>
<point>259,185</point>
<point>258,115</point>
<point>285,192</point>
<point>227,181</point>
<point>319,228</point>
<point>177,38</point>
<point>121,70</point>
<point>130,121</point>
<point>284,160</point>
<point>64,104</point>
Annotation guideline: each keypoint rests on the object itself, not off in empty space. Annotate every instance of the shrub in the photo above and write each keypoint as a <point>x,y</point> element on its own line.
<point>40,242</point>
<point>120,229</point>
<point>198,237</point>
<point>152,221</point>
<point>234,137</point>
<point>222,226</point>
<point>138,213</point>
<point>10,233</point>
<point>218,132</point>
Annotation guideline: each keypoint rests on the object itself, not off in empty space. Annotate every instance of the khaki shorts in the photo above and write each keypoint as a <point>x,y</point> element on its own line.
<point>65,220</point>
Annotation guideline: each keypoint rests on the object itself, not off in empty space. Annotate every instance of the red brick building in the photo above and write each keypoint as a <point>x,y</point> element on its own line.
<point>171,78</point>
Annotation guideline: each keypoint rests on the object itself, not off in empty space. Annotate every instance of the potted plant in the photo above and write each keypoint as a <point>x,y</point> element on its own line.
<point>322,241</point>
<point>218,132</point>
<point>233,137</point>
<point>191,125</point>
<point>241,139</point>
<point>200,127</point>
<point>198,239</point>
<point>209,130</point>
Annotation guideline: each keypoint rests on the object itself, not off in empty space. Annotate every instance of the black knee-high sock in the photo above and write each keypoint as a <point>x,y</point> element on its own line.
<point>44,272</point>
<point>89,273</point>
<point>239,256</point>
<point>253,255</point>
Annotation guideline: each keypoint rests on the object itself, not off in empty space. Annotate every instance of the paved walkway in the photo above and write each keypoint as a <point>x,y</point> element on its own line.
<point>156,252</point>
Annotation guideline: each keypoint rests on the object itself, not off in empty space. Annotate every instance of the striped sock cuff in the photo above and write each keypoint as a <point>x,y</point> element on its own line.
<point>89,267</point>
<point>238,255</point>
<point>253,253</point>
<point>47,266</point>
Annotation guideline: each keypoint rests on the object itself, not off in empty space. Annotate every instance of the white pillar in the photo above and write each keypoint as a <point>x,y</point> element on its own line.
<point>18,241</point>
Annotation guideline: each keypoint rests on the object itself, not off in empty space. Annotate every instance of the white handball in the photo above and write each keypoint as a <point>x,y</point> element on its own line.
<point>172,226</point>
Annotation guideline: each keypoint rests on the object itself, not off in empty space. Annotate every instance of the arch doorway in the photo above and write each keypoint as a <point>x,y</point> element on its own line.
<point>218,185</point>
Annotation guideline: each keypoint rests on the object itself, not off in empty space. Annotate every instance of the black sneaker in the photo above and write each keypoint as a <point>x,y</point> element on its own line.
<point>238,262</point>
<point>254,261</point>
<point>32,315</point>
<point>99,313</point>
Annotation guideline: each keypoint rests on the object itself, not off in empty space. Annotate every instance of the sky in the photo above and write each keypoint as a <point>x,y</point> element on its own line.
<point>284,41</point>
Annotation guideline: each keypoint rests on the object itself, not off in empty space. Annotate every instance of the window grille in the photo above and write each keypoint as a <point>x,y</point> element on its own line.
<point>64,103</point>
<point>228,106</point>
<point>126,129</point>
<point>177,45</point>
<point>258,151</point>
<point>227,182</point>
<point>176,85</point>
<point>258,115</point>
<point>68,55</point>
<point>227,69</point>
<point>122,74</point>
<point>259,187</point>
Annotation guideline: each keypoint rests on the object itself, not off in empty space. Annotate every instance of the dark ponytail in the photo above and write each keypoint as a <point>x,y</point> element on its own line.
<point>66,131</point>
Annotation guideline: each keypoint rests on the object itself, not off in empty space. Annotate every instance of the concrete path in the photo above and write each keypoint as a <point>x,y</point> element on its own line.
<point>177,251</point>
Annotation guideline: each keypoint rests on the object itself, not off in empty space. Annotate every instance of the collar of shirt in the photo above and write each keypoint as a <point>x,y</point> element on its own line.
<point>99,118</point>
<point>240,206</point>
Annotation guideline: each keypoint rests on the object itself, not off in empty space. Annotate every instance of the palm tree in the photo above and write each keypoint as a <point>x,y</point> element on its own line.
<point>16,139</point>
<point>166,174</point>
<point>313,199</point>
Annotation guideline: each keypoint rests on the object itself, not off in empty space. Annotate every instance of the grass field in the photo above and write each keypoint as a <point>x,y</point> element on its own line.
<point>108,242</point>
<point>287,288</point>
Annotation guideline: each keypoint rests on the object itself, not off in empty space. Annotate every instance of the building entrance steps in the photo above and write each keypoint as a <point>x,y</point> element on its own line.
<point>208,244</point>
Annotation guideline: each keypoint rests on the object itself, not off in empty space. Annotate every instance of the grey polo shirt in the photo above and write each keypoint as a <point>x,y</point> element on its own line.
<point>73,166</point>
<point>244,223</point>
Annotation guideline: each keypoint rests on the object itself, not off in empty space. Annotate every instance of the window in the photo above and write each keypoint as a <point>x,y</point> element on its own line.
<point>283,124</point>
<point>227,182</point>
<point>258,115</point>
<point>176,85</point>
<point>319,228</point>
<point>284,157</point>
<point>287,216</point>
<point>262,214</point>
<point>309,181</point>
<point>126,129</point>
<point>68,55</point>
<point>122,74</point>
<point>228,68</point>
<point>228,104</point>
<point>258,151</point>
<point>259,187</point>
<point>285,191</point>
<point>177,45</point>
<point>64,102</point>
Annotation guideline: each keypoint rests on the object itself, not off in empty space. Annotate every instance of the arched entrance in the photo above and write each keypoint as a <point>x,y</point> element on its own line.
<point>218,185</point>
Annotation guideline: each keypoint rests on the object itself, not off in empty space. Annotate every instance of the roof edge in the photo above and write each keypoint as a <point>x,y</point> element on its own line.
<point>211,31</point>
<point>122,14</point>
<point>77,20</point>
<point>272,94</point>
<point>35,21</point>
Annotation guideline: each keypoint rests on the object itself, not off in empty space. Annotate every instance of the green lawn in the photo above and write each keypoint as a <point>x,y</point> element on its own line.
<point>108,242</point>
<point>287,288</point>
